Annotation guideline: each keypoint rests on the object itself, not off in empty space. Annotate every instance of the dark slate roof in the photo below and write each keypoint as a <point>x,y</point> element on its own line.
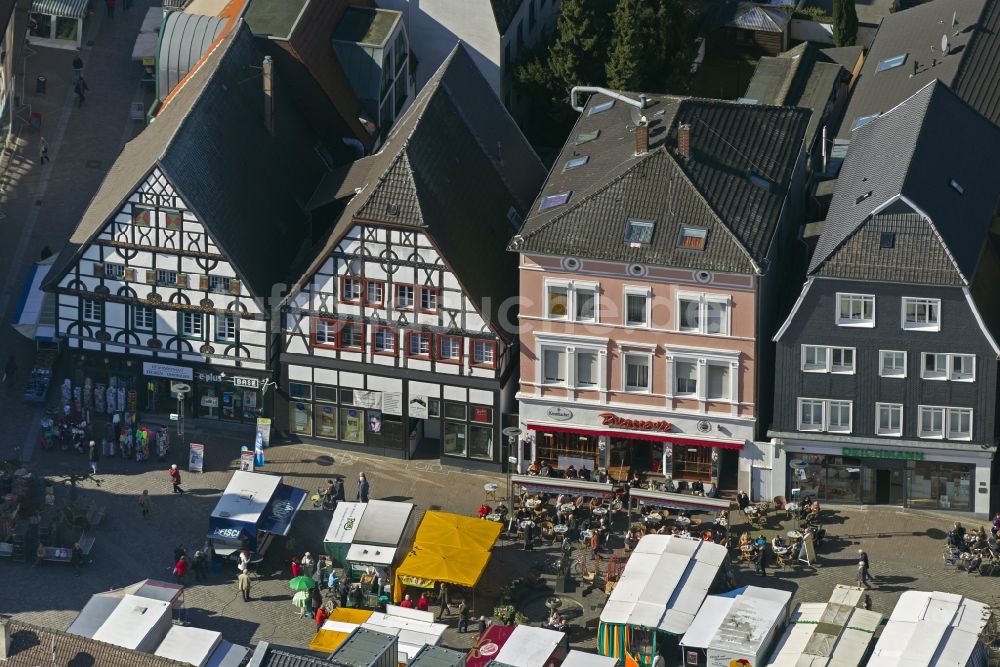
<point>246,186</point>
<point>970,66</point>
<point>504,12</point>
<point>275,18</point>
<point>454,165</point>
<point>803,76</point>
<point>710,190</point>
<point>32,646</point>
<point>845,56</point>
<point>277,658</point>
<point>900,166</point>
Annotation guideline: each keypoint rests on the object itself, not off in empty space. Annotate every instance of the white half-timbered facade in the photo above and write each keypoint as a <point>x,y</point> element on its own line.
<point>396,335</point>
<point>167,277</point>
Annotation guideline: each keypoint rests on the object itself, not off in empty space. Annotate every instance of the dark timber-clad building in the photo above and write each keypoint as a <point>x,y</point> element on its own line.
<point>886,385</point>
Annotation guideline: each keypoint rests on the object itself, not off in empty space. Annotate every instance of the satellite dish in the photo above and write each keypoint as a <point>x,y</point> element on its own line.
<point>636,115</point>
<point>944,44</point>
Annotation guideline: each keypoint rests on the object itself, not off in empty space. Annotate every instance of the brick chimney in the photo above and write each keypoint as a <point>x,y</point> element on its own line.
<point>269,94</point>
<point>641,137</point>
<point>5,639</point>
<point>684,141</point>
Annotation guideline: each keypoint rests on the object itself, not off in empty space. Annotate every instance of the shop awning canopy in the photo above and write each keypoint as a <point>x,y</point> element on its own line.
<point>447,547</point>
<point>679,500</point>
<point>74,9</point>
<point>638,435</point>
<point>35,316</point>
<point>577,487</point>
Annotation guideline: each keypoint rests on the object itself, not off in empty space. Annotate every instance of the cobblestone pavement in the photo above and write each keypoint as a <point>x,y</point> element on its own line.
<point>905,547</point>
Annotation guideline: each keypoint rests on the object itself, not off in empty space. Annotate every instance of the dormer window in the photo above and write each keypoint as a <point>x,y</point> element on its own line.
<point>639,232</point>
<point>861,120</point>
<point>692,238</point>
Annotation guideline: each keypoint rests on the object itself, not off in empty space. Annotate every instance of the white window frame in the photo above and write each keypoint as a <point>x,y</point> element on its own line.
<point>573,287</point>
<point>842,369</point>
<point>324,332</point>
<point>828,406</point>
<point>798,414</point>
<point>848,322</point>
<point>881,364</point>
<point>917,326</point>
<point>949,367</point>
<point>703,300</point>
<point>395,296</point>
<point>728,383</point>
<point>828,365</point>
<point>565,366</point>
<point>694,361</point>
<point>949,412</point>
<point>547,301</point>
<point>576,369</point>
<point>648,356</point>
<point>139,323</point>
<point>646,294</point>
<point>192,317</point>
<point>946,415</point>
<point>163,277</point>
<point>816,367</point>
<point>114,271</point>
<point>91,310</point>
<point>891,407</point>
<point>222,321</point>
<point>585,287</point>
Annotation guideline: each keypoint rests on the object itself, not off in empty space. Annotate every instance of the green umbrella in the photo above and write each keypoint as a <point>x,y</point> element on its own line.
<point>301,583</point>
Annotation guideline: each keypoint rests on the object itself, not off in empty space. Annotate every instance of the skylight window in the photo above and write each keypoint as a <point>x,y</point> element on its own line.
<point>573,163</point>
<point>956,186</point>
<point>555,200</point>
<point>891,63</point>
<point>887,240</point>
<point>861,120</point>
<point>639,232</point>
<point>601,108</point>
<point>863,197</point>
<point>584,137</point>
<point>692,238</point>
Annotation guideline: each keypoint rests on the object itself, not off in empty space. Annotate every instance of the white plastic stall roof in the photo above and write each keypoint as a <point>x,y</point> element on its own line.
<point>132,620</point>
<point>822,634</point>
<point>930,628</point>
<point>369,554</point>
<point>706,623</point>
<point>383,523</point>
<point>191,645</point>
<point>246,496</point>
<point>346,519</point>
<point>583,659</point>
<point>664,583</point>
<point>750,620</point>
<point>528,646</point>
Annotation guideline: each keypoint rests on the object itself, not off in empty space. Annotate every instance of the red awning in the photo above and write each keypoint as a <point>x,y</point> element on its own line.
<point>721,444</point>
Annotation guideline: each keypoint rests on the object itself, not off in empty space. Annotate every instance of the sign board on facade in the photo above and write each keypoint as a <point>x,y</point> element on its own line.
<point>613,420</point>
<point>196,458</point>
<point>371,400</point>
<point>392,403</point>
<point>883,454</point>
<point>137,111</point>
<point>246,383</point>
<point>559,413</point>
<point>167,371</point>
<point>208,377</point>
<point>209,401</point>
<point>418,407</point>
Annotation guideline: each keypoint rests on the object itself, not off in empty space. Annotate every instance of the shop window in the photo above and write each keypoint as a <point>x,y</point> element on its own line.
<point>450,349</point>
<point>192,325</point>
<point>428,300</point>
<point>384,340</point>
<point>350,289</point>
<point>418,344</point>
<point>855,310</point>
<point>326,420</point>
<point>347,396</point>
<point>481,442</point>
<point>892,363</point>
<point>561,449</point>
<point>352,421</point>
<point>692,462</point>
<point>453,410</point>
<point>921,314</point>
<point>637,309</point>
<point>143,318</point>
<point>936,485</point>
<point>40,25</point>
<point>434,408</point>
<point>484,353</point>
<point>299,390</point>
<point>93,311</point>
<point>326,394</point>
<point>636,371</point>
<point>404,297</point>
<point>226,327</point>
<point>301,417</point>
<point>374,293</point>
<point>454,439</point>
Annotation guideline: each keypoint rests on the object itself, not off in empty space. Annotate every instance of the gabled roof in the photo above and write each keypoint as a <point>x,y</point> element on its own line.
<point>712,189</point>
<point>32,645</point>
<point>969,67</point>
<point>454,165</point>
<point>247,187</point>
<point>923,170</point>
<point>803,76</point>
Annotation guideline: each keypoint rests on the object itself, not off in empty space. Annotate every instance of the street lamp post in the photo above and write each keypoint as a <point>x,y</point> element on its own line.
<point>512,433</point>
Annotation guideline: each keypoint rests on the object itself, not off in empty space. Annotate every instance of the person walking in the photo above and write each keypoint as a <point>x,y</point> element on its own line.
<point>444,597</point>
<point>761,560</point>
<point>463,617</point>
<point>320,572</point>
<point>77,559</point>
<point>339,494</point>
<point>863,566</point>
<point>93,455</point>
<point>243,584</point>
<point>144,505</point>
<point>77,68</point>
<point>363,488</point>
<point>43,151</point>
<point>423,603</point>
<point>110,4</point>
<point>296,568</point>
<point>181,568</point>
<point>175,478</point>
<point>321,616</point>
<point>315,601</point>
<point>10,371</point>
<point>199,566</point>
<point>81,88</point>
<point>308,565</point>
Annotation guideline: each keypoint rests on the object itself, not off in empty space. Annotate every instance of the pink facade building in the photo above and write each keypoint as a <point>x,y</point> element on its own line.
<point>650,269</point>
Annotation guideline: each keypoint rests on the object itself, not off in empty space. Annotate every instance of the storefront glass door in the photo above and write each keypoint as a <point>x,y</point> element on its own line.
<point>884,484</point>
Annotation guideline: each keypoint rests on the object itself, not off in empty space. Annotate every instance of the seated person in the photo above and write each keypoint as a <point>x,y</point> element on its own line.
<point>594,503</point>
<point>996,525</point>
<point>743,500</point>
<point>634,481</point>
<point>698,487</point>
<point>544,470</point>
<point>777,543</point>
<point>814,508</point>
<point>502,509</point>
<point>585,474</point>
<point>484,509</point>
<point>684,532</point>
<point>684,514</point>
<point>571,472</point>
<point>533,468</point>
<point>744,539</point>
<point>956,537</point>
<point>760,541</point>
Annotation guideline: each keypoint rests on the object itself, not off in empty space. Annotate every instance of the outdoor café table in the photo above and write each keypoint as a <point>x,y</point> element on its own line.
<point>494,517</point>
<point>792,507</point>
<point>567,507</point>
<point>527,524</point>
<point>560,529</point>
<point>750,510</point>
<point>794,534</point>
<point>600,511</point>
<point>682,521</point>
<point>532,503</point>
<point>585,535</point>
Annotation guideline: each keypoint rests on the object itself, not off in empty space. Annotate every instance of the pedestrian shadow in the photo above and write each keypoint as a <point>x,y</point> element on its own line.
<point>398,499</point>
<point>935,533</point>
<point>893,583</point>
<point>273,598</point>
<point>200,492</point>
<point>235,630</point>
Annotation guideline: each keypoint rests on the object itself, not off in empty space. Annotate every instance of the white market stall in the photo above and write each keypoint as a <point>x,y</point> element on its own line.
<point>828,633</point>
<point>583,659</point>
<point>412,628</point>
<point>737,626</point>
<point>136,623</point>
<point>57,23</point>
<point>35,319</point>
<point>658,594</point>
<point>528,646</point>
<point>340,533</point>
<point>202,648</point>
<point>933,629</point>
<point>370,539</point>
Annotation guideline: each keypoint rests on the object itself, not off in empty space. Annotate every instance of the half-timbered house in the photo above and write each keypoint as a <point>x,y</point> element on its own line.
<point>168,274</point>
<point>401,330</point>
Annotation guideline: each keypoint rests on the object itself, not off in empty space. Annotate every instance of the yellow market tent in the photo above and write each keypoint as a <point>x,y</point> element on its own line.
<point>447,547</point>
<point>339,624</point>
